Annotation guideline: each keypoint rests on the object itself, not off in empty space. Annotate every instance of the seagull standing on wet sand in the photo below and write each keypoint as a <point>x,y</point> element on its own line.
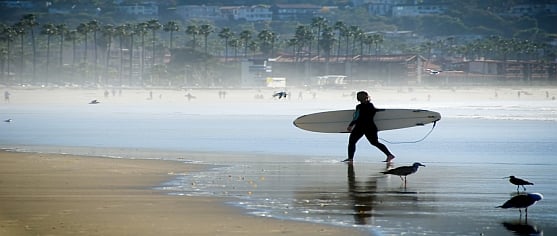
<point>519,182</point>
<point>404,171</point>
<point>522,201</point>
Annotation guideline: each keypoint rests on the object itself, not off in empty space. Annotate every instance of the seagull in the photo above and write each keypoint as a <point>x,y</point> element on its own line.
<point>433,72</point>
<point>404,171</point>
<point>280,94</point>
<point>8,120</point>
<point>94,102</point>
<point>522,201</point>
<point>519,182</point>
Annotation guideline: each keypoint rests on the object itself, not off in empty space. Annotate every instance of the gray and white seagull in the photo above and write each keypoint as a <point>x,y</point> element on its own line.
<point>404,171</point>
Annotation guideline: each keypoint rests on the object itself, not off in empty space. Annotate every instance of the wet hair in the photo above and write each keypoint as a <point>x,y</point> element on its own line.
<point>360,96</point>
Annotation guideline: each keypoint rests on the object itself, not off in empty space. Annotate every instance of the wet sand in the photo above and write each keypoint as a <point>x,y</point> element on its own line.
<point>54,194</point>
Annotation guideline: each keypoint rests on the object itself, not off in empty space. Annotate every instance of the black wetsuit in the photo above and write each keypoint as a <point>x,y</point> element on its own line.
<point>363,119</point>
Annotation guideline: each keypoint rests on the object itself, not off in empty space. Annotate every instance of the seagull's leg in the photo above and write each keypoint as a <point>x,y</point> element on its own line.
<point>524,188</point>
<point>401,179</point>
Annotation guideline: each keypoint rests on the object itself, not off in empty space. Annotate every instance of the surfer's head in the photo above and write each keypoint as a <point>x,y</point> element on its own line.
<point>362,96</point>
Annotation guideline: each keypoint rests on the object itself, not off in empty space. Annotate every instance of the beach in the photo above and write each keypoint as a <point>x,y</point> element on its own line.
<point>52,194</point>
<point>214,165</point>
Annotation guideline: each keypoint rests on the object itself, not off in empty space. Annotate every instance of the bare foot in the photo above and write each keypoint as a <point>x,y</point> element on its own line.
<point>389,158</point>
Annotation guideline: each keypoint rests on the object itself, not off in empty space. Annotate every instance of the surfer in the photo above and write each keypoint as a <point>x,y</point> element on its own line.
<point>362,124</point>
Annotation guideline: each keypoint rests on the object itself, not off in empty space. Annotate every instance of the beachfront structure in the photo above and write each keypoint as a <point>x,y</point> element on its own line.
<point>248,13</point>
<point>292,12</point>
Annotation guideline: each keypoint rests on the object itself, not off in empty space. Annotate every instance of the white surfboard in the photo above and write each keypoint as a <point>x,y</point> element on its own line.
<point>385,119</point>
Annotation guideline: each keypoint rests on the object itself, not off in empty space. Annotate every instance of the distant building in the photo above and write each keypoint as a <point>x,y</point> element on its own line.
<point>248,13</point>
<point>418,10</point>
<point>532,9</point>
<point>140,9</point>
<point>200,12</point>
<point>17,4</point>
<point>381,7</point>
<point>293,12</point>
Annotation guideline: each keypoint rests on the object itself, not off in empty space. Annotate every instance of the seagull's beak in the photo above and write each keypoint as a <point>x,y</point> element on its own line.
<point>422,165</point>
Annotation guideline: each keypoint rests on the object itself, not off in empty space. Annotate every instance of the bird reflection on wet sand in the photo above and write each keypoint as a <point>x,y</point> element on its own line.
<point>522,228</point>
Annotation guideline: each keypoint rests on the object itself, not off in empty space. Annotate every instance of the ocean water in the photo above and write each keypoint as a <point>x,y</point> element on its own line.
<point>272,169</point>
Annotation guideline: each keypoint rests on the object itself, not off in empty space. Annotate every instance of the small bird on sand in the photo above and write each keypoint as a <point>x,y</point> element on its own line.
<point>522,201</point>
<point>519,182</point>
<point>280,94</point>
<point>94,102</point>
<point>8,120</point>
<point>404,171</point>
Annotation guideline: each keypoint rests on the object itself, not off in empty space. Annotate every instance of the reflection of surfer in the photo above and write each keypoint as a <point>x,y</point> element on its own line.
<point>362,124</point>
<point>363,196</point>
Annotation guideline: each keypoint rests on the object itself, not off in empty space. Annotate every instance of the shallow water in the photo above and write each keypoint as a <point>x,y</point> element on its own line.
<point>272,169</point>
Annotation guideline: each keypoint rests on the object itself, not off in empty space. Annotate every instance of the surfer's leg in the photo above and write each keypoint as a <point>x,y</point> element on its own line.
<point>355,135</point>
<point>374,140</point>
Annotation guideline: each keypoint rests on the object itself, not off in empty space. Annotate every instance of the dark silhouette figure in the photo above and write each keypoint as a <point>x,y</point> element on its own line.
<point>281,94</point>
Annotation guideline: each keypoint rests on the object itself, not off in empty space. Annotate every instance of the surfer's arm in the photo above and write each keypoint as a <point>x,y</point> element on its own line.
<point>354,118</point>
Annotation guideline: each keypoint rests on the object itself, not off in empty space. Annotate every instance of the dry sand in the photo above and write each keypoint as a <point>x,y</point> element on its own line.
<point>380,95</point>
<point>53,194</point>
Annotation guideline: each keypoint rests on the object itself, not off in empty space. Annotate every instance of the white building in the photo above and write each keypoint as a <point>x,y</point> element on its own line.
<point>248,13</point>
<point>141,9</point>
<point>200,12</point>
<point>418,10</point>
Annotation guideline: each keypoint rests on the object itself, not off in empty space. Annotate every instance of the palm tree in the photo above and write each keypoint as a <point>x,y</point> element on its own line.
<point>357,33</point>
<point>193,30</point>
<point>30,22</point>
<point>235,43</point>
<point>73,35</point>
<point>293,42</point>
<point>7,35</point>
<point>171,27</point>
<point>327,41</point>
<point>49,30</point>
<point>245,36</point>
<point>21,31</point>
<point>353,32</point>
<point>141,29</point>
<point>108,32</point>
<point>94,27</point>
<point>121,32</point>
<point>427,47</point>
<point>342,31</point>
<point>153,25</point>
<point>377,39</point>
<point>303,36</point>
<point>205,30</point>
<point>226,34</point>
<point>319,23</point>
<point>83,29</point>
<point>267,40</point>
<point>131,31</point>
<point>61,30</point>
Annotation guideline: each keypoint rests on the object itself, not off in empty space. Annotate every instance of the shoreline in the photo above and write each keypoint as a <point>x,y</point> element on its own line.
<point>63,194</point>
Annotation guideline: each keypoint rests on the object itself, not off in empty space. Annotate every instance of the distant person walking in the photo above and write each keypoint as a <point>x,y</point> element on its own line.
<point>7,96</point>
<point>362,124</point>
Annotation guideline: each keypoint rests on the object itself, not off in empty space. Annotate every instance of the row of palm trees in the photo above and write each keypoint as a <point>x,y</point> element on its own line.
<point>316,40</point>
